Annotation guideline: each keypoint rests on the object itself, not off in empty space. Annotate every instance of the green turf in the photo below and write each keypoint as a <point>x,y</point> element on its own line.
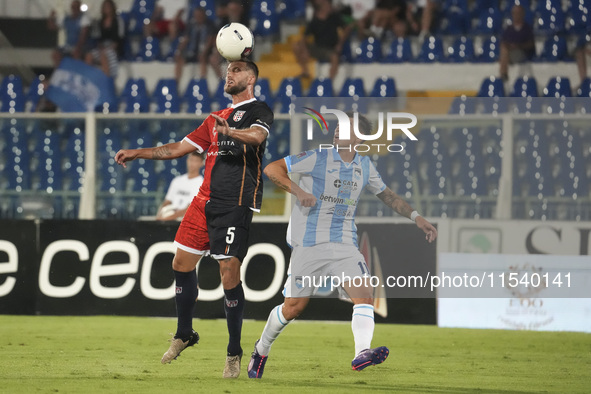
<point>121,354</point>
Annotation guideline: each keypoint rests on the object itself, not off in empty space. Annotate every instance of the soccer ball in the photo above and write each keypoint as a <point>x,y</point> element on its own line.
<point>234,41</point>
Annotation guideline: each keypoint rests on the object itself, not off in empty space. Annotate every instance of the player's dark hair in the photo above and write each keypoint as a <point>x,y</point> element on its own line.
<point>252,67</point>
<point>365,126</point>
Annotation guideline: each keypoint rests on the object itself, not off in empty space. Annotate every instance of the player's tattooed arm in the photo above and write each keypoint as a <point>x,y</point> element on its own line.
<point>161,152</point>
<point>395,202</point>
<point>277,172</point>
<point>165,152</point>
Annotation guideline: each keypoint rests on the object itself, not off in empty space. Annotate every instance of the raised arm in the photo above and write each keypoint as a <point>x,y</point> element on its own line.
<point>252,136</point>
<point>277,172</point>
<point>170,151</point>
<point>401,207</point>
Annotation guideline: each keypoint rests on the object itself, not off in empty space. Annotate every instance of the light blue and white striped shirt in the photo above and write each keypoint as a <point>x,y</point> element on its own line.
<point>337,187</point>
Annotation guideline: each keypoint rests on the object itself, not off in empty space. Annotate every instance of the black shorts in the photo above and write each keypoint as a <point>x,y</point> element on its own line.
<point>228,230</point>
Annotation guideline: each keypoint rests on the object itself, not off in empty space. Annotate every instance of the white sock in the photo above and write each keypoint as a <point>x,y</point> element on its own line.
<point>362,324</point>
<point>275,324</point>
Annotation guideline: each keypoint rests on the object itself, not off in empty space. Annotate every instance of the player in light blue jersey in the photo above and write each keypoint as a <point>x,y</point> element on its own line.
<point>323,236</point>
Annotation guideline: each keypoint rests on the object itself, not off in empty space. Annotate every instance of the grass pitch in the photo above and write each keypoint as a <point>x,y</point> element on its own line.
<point>122,354</point>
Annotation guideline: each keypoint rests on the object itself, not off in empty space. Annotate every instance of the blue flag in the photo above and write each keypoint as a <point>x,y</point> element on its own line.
<point>77,87</point>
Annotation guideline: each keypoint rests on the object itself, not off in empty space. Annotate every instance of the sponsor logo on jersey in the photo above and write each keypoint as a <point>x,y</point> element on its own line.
<point>337,200</point>
<point>238,115</point>
<point>345,185</point>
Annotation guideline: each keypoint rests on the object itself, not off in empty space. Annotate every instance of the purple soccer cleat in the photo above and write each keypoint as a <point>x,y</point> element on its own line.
<point>369,357</point>
<point>256,366</point>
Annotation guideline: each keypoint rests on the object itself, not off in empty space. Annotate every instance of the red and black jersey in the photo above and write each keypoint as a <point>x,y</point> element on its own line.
<point>233,170</point>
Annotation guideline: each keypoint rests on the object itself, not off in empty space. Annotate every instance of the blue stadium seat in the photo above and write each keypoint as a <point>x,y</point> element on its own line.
<point>352,87</point>
<point>135,96</point>
<point>169,55</point>
<point>431,50</point>
<point>166,96</point>
<point>35,92</point>
<point>292,9</point>
<point>369,51</point>
<point>525,87</point>
<point>463,105</point>
<point>554,50</point>
<point>384,87</point>
<point>492,87</point>
<point>262,91</point>
<point>49,155</point>
<point>222,99</point>
<point>579,19</point>
<point>288,87</point>
<point>399,51</point>
<point>489,21</point>
<point>12,98</point>
<point>456,19</point>
<point>584,89</point>
<point>73,157</point>
<point>208,5</point>
<point>149,50</point>
<point>462,50</point>
<point>321,87</point>
<point>491,48</point>
<point>197,97</point>
<point>550,17</point>
<point>265,17</point>
<point>558,87</point>
<point>140,14</point>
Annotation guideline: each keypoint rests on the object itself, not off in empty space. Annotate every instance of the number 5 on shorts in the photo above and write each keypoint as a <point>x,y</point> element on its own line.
<point>230,235</point>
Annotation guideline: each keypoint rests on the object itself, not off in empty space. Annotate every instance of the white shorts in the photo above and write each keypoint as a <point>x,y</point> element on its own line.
<point>317,270</point>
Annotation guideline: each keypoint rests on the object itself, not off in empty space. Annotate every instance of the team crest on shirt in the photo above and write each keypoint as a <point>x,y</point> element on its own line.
<point>238,115</point>
<point>357,173</point>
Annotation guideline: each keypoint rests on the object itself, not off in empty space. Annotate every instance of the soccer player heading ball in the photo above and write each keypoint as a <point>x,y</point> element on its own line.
<point>218,219</point>
<point>325,243</point>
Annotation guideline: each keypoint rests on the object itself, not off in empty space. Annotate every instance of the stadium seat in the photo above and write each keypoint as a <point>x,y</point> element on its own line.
<point>170,52</point>
<point>166,96</point>
<point>369,51</point>
<point>456,19</point>
<point>135,96</point>
<point>197,97</point>
<point>208,5</point>
<point>292,9</point>
<point>462,50</point>
<point>352,87</point>
<point>35,92</point>
<point>399,51</point>
<point>490,50</point>
<point>463,105</point>
<point>558,87</point>
<point>584,89</point>
<point>554,50</point>
<point>550,17</point>
<point>264,18</point>
<point>321,87</point>
<point>262,91</point>
<point>431,50</point>
<point>492,87</point>
<point>489,22</point>
<point>109,106</point>
<point>288,88</point>
<point>49,156</point>
<point>149,50</point>
<point>139,15</point>
<point>384,87</point>
<point>221,98</point>
<point>525,87</point>
<point>12,98</point>
<point>578,17</point>
<point>73,155</point>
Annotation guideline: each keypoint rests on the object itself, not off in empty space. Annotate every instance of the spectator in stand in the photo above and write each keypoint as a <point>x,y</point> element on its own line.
<point>182,189</point>
<point>109,34</point>
<point>380,20</point>
<point>517,42</point>
<point>421,15</point>
<point>323,38</point>
<point>76,26</point>
<point>196,45</point>
<point>167,19</point>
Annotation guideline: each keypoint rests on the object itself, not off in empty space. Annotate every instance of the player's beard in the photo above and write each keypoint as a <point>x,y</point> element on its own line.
<point>236,88</point>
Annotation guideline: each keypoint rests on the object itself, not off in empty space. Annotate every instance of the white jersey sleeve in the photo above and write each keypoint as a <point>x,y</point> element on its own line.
<point>375,184</point>
<point>302,163</point>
